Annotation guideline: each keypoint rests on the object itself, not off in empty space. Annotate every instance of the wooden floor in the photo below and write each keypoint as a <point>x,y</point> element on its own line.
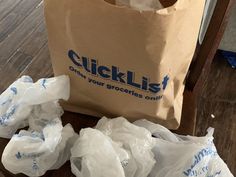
<point>23,41</point>
<point>217,109</point>
<point>24,51</point>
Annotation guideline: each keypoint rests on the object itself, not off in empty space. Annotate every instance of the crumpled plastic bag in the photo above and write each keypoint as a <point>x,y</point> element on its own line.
<point>43,113</point>
<point>96,155</point>
<point>142,5</point>
<point>23,96</point>
<point>33,153</point>
<point>116,143</point>
<point>137,141</point>
<point>46,145</point>
<point>184,156</point>
<point>157,130</point>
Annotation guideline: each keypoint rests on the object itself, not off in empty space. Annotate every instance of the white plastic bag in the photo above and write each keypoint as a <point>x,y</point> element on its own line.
<point>143,5</point>
<point>136,140</point>
<point>184,156</point>
<point>96,155</point>
<point>157,130</point>
<point>43,113</point>
<point>18,101</point>
<point>33,153</point>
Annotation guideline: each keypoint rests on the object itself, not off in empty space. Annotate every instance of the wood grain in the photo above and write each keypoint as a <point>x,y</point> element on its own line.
<point>202,63</point>
<point>24,56</point>
<point>217,109</point>
<point>6,6</point>
<point>11,21</point>
<point>40,66</point>
<point>222,80</point>
<point>225,127</point>
<point>10,44</point>
<point>189,113</point>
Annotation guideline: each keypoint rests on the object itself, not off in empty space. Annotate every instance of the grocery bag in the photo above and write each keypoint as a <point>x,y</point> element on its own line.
<point>123,61</point>
<point>184,156</point>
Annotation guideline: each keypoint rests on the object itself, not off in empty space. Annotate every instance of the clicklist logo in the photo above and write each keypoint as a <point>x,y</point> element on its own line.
<point>113,73</point>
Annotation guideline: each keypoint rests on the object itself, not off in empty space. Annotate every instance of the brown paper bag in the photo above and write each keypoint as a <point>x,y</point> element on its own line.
<point>124,62</point>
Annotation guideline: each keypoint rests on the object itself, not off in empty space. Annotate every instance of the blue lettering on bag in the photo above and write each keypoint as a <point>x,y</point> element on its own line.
<point>115,74</point>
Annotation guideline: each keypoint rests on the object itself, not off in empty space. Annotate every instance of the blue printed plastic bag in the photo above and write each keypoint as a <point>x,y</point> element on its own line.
<point>35,152</point>
<point>184,156</point>
<point>24,100</point>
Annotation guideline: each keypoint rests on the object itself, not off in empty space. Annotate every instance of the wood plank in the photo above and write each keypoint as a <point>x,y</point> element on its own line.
<point>15,66</point>
<point>10,45</point>
<point>6,7</point>
<point>1,174</point>
<point>40,66</point>
<point>189,114</point>
<point>217,109</point>
<point>23,56</point>
<point>201,66</point>
<point>225,127</point>
<point>222,85</point>
<point>16,16</point>
<point>35,41</point>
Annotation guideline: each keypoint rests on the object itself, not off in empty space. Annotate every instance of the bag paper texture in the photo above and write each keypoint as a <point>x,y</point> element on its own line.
<point>121,61</point>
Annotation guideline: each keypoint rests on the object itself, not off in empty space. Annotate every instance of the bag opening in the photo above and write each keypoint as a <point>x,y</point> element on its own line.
<point>165,3</point>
